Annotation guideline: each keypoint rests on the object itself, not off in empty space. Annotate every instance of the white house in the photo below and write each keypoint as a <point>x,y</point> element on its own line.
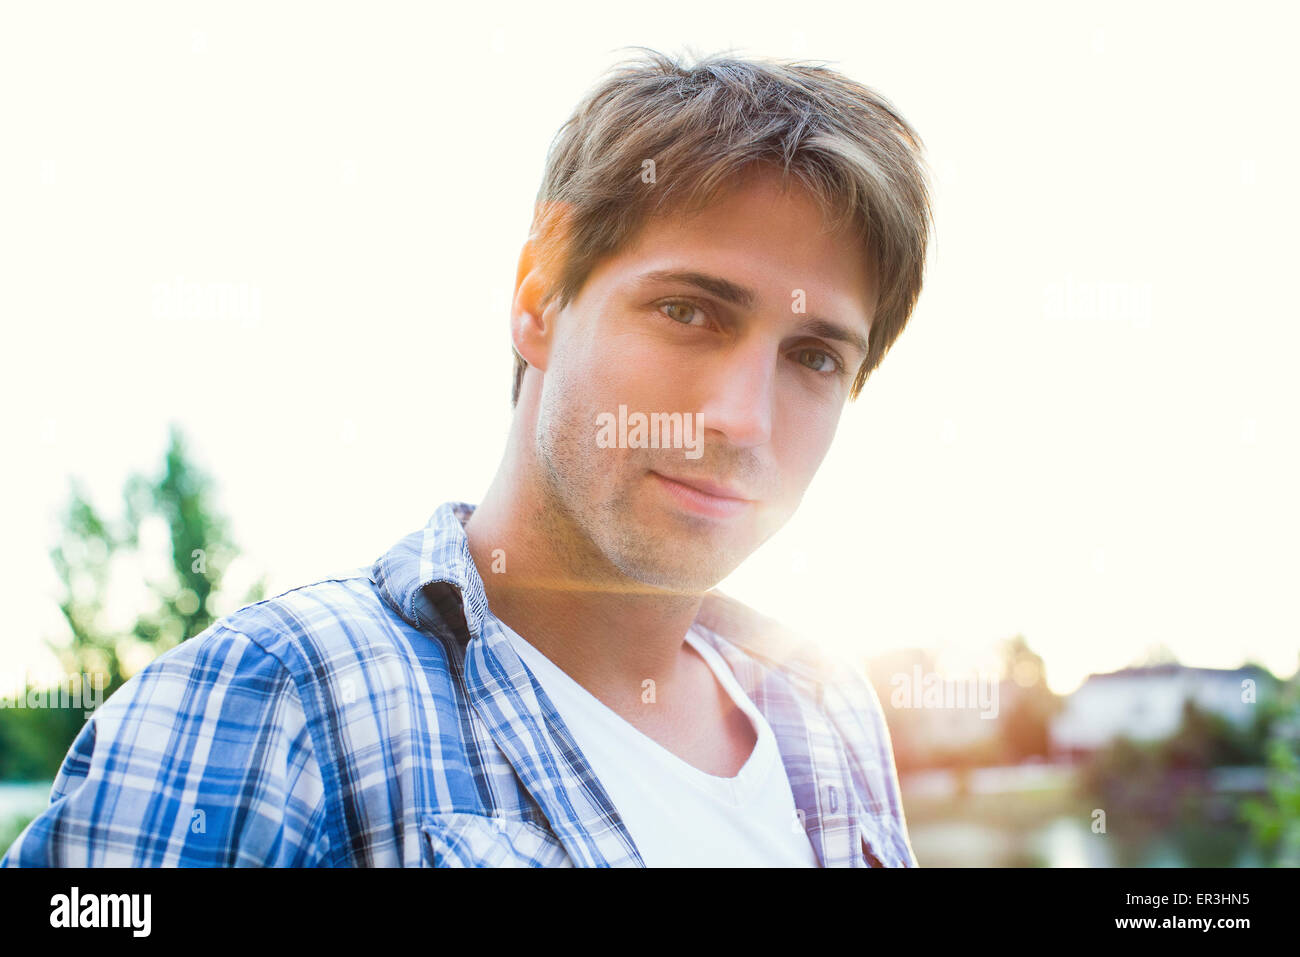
<point>1146,704</point>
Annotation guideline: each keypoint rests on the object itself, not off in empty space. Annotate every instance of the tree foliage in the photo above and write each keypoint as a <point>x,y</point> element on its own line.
<point>89,548</point>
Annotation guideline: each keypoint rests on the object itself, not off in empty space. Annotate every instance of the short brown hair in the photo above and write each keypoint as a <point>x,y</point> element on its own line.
<point>704,125</point>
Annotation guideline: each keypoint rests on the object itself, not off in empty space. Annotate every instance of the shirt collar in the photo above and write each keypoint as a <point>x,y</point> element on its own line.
<point>437,554</point>
<point>419,573</point>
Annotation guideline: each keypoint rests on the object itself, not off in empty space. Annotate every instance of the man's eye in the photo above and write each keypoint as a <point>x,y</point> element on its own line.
<point>684,313</point>
<point>681,306</point>
<point>822,361</point>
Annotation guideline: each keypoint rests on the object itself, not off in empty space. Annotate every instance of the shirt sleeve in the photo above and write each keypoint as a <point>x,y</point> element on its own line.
<point>202,759</point>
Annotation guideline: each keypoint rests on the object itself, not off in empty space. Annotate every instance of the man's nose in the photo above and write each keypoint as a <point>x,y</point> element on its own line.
<point>739,396</point>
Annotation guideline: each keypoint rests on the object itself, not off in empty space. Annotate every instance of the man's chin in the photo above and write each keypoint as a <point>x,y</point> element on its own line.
<point>674,572</point>
<point>678,555</point>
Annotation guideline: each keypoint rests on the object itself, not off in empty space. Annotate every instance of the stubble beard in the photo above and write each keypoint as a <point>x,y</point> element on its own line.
<point>599,537</point>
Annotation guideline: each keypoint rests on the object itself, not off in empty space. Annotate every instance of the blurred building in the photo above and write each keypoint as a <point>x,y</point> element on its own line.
<point>1146,703</point>
<point>966,721</point>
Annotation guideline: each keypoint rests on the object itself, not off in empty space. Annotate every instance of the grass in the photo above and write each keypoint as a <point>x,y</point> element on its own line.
<point>11,828</point>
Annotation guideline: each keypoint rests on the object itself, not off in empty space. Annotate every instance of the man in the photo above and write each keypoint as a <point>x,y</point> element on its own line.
<point>725,250</point>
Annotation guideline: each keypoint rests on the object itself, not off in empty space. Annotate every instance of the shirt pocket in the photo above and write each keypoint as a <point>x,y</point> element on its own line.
<point>872,848</point>
<point>459,839</point>
<point>883,841</point>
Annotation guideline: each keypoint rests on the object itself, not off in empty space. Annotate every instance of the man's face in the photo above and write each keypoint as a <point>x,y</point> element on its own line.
<point>768,385</point>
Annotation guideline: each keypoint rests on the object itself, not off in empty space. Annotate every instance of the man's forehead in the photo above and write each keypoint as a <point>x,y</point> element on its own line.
<point>741,221</point>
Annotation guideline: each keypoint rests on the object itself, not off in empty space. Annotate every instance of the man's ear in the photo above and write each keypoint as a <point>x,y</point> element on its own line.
<point>532,329</point>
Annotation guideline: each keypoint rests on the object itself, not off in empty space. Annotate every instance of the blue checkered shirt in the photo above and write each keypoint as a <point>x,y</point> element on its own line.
<point>382,718</point>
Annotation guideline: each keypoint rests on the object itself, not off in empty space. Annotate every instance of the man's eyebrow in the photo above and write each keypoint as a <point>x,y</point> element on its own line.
<point>833,330</point>
<point>745,298</point>
<point>724,289</point>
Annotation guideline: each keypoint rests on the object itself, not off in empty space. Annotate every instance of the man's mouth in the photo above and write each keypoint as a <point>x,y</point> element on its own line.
<point>704,496</point>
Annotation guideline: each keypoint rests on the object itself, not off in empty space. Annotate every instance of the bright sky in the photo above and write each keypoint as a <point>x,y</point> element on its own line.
<point>1087,434</point>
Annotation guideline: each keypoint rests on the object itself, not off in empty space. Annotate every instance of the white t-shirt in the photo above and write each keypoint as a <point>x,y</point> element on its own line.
<point>678,815</point>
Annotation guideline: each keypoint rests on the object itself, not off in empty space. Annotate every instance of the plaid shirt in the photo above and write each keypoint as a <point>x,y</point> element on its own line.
<point>383,718</point>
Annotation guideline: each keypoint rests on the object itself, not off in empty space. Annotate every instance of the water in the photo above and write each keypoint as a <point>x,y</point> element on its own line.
<point>1026,817</point>
<point>25,798</point>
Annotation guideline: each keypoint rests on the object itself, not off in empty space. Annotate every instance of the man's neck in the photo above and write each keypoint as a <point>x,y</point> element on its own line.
<point>609,633</point>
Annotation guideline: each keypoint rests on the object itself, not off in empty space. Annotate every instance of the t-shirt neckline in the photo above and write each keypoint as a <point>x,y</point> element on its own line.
<point>734,790</point>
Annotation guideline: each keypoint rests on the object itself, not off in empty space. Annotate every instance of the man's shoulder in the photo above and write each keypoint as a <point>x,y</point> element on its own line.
<point>339,592</point>
<point>793,651</point>
<point>828,684</point>
<point>333,643</point>
<point>822,676</point>
<point>320,618</point>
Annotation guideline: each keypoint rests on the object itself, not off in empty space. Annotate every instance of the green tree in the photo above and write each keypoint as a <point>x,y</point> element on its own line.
<point>1275,822</point>
<point>33,741</point>
<point>1026,728</point>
